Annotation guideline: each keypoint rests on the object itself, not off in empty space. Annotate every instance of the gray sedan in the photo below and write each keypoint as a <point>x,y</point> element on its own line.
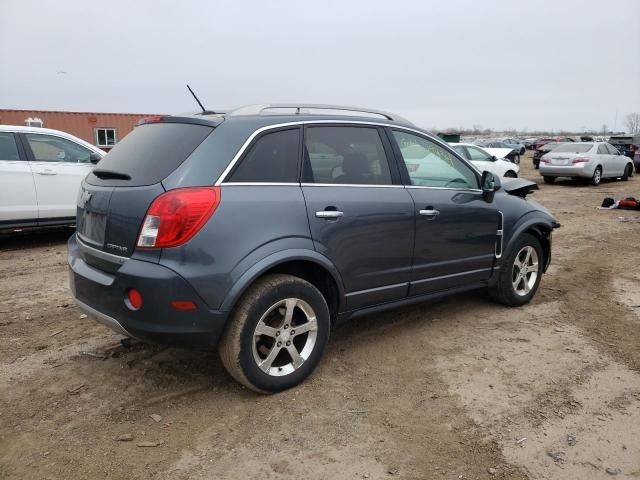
<point>590,160</point>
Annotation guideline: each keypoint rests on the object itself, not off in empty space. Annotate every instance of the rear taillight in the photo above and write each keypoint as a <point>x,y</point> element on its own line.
<point>580,160</point>
<point>632,146</point>
<point>177,215</point>
<point>545,160</point>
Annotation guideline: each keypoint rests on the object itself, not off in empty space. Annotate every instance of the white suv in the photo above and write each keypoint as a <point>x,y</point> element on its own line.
<point>40,173</point>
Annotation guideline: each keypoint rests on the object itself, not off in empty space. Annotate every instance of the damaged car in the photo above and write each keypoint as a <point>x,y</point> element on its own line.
<point>257,231</point>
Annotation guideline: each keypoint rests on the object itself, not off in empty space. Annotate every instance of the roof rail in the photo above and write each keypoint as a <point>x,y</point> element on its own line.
<point>261,108</point>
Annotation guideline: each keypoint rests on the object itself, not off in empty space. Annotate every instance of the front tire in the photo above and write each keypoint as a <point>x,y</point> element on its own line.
<point>628,172</point>
<point>520,274</point>
<point>277,334</point>
<point>511,174</point>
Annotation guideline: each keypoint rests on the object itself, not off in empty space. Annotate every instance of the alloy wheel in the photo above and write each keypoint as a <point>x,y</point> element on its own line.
<point>285,337</point>
<point>525,271</point>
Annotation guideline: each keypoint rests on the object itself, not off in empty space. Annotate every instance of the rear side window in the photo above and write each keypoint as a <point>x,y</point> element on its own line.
<point>151,152</point>
<point>345,155</point>
<point>272,158</point>
<point>8,148</point>
<point>603,150</point>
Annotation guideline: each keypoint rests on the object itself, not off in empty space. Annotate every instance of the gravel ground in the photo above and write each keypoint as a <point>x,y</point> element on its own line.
<point>463,389</point>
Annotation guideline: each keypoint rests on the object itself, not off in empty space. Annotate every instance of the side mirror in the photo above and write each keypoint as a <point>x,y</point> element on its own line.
<point>489,183</point>
<point>95,157</point>
<point>493,158</point>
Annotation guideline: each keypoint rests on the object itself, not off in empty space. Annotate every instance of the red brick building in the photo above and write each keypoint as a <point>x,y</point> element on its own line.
<point>103,130</point>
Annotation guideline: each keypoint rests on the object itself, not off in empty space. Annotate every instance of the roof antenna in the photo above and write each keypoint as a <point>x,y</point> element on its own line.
<point>204,110</point>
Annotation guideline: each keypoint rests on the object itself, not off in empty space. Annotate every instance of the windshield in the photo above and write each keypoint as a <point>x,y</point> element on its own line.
<point>573,147</point>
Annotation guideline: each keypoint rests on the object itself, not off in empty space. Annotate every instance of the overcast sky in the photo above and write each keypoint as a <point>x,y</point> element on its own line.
<point>536,64</point>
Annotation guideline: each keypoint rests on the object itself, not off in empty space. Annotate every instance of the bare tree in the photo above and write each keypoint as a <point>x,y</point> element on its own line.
<point>632,123</point>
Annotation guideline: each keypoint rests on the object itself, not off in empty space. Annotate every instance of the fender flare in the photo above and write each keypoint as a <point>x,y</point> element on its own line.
<point>273,260</point>
<point>529,221</point>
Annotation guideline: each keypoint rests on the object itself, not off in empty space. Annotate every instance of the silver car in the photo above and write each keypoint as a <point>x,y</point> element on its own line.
<point>590,160</point>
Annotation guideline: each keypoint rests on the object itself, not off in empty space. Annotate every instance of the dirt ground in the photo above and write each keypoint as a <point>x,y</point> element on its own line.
<point>463,389</point>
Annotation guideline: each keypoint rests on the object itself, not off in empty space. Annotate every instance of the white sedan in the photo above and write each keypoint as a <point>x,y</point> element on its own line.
<point>589,160</point>
<point>489,159</point>
<point>40,174</point>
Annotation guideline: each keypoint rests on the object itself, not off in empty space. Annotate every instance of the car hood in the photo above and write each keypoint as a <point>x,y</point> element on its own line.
<point>520,187</point>
<point>498,152</point>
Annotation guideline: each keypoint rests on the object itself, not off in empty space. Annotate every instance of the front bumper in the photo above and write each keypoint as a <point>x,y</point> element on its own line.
<point>583,170</point>
<point>101,295</point>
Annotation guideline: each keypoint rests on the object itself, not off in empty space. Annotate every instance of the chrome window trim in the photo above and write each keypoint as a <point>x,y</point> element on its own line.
<point>261,184</point>
<point>274,126</point>
<point>358,185</point>
<point>100,254</point>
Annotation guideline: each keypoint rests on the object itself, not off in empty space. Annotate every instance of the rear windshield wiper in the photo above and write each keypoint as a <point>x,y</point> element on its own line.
<point>110,174</point>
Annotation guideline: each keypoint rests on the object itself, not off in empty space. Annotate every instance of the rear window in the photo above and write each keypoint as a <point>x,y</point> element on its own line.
<point>151,152</point>
<point>621,140</point>
<point>573,147</point>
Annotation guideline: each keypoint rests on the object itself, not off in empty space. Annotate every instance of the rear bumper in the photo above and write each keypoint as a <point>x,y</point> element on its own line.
<point>584,170</point>
<point>101,295</point>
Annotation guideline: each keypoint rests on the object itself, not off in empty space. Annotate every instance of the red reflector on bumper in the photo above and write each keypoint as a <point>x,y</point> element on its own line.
<point>135,299</point>
<point>184,305</point>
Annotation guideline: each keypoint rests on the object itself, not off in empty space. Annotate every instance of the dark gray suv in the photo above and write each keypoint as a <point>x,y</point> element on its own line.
<point>256,231</point>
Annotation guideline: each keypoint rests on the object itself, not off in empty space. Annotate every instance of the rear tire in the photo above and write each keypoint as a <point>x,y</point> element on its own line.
<point>628,172</point>
<point>520,273</point>
<point>597,176</point>
<point>548,179</point>
<point>261,348</point>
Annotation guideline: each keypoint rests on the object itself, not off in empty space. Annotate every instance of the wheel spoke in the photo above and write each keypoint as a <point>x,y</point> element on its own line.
<point>526,285</point>
<point>265,365</point>
<point>533,268</point>
<point>296,359</point>
<point>311,325</point>
<point>527,258</point>
<point>516,282</point>
<point>266,330</point>
<point>291,305</point>
<point>517,262</point>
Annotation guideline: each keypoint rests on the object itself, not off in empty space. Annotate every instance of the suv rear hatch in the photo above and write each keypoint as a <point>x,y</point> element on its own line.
<point>626,143</point>
<point>115,197</point>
